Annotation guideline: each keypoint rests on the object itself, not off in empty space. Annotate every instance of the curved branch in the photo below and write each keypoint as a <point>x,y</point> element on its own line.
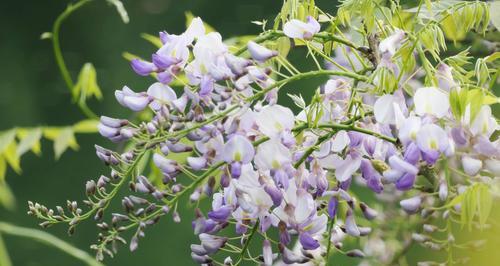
<point>59,57</point>
<point>49,240</point>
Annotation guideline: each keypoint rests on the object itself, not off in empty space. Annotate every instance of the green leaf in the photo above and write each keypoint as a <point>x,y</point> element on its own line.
<point>129,56</point>
<point>495,9</point>
<point>452,30</point>
<point>86,86</point>
<point>4,254</point>
<point>458,102</point>
<point>475,201</point>
<point>3,168</point>
<point>152,39</point>
<point>492,57</point>
<point>298,100</point>
<point>121,10</point>
<point>46,36</point>
<point>6,138</point>
<point>485,202</point>
<point>30,139</point>
<point>283,46</point>
<point>12,158</point>
<point>475,100</point>
<point>86,126</point>
<point>65,139</point>
<point>6,197</point>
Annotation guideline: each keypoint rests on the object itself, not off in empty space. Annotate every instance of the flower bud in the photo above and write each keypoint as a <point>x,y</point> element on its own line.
<point>368,212</point>
<point>259,52</point>
<point>212,243</point>
<point>355,253</point>
<point>411,205</point>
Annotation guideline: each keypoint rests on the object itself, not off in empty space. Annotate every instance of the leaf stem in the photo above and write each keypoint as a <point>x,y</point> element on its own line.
<point>247,242</point>
<point>50,240</point>
<point>359,129</point>
<point>324,36</point>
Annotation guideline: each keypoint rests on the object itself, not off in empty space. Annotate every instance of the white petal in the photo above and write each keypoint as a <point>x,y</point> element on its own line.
<point>431,100</point>
<point>161,93</point>
<point>432,138</point>
<point>340,141</point>
<point>471,165</point>
<point>295,29</point>
<point>345,168</point>
<point>484,122</point>
<point>383,109</point>
<point>196,29</point>
<point>274,119</point>
<point>305,206</point>
<point>238,149</point>
<point>272,155</point>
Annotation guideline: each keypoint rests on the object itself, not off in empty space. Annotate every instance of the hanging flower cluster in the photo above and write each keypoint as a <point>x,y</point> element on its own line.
<point>282,175</point>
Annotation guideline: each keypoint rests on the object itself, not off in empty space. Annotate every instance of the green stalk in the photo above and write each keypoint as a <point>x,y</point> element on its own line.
<point>329,245</point>
<point>359,129</point>
<point>59,57</point>
<point>4,254</point>
<point>247,242</point>
<point>49,240</point>
<point>324,36</point>
<point>305,75</point>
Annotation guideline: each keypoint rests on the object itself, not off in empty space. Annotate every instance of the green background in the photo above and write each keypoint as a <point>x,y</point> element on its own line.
<point>33,93</point>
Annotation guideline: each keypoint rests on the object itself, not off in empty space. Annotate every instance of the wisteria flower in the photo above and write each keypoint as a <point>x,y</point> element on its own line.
<point>301,30</point>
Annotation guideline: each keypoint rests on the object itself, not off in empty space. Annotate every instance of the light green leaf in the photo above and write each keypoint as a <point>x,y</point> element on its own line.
<point>298,100</point>
<point>65,139</point>
<point>86,126</point>
<point>476,202</point>
<point>3,168</point>
<point>30,139</point>
<point>6,138</point>
<point>475,98</point>
<point>6,197</point>
<point>152,39</point>
<point>495,9</point>
<point>87,86</point>
<point>129,56</point>
<point>492,57</point>
<point>121,10</point>
<point>458,102</point>
<point>4,254</point>
<point>485,202</point>
<point>489,99</point>
<point>10,155</point>
<point>46,35</point>
<point>283,46</point>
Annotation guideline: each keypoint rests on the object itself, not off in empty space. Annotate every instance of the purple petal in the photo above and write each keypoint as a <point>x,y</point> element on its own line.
<point>411,205</point>
<point>259,52</point>
<point>400,165</point>
<point>375,184</point>
<point>274,193</point>
<point>142,68</point>
<point>412,154</point>
<point>197,163</point>
<point>332,206</point>
<point>221,214</point>
<point>307,242</point>
<point>163,62</point>
<point>405,182</point>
